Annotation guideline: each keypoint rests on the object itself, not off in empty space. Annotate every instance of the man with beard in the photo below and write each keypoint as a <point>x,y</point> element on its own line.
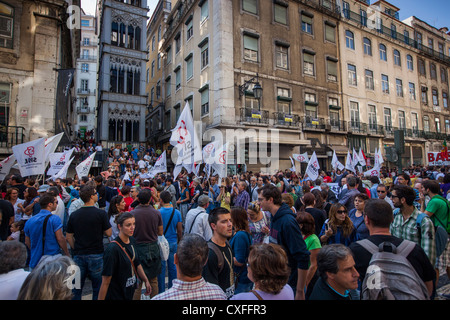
<point>405,217</point>
<point>285,231</point>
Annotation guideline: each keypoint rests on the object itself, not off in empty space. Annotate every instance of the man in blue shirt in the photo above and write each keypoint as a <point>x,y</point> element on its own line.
<point>54,238</point>
<point>213,193</point>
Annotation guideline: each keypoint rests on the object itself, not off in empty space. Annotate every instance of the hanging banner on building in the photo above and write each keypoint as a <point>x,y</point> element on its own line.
<point>437,159</point>
<point>30,157</point>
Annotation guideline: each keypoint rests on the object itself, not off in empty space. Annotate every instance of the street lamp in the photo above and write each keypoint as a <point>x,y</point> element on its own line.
<point>257,89</point>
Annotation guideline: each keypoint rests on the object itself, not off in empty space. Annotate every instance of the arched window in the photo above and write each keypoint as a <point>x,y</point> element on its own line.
<point>397,60</point>
<point>383,55</point>
<point>409,62</point>
<point>349,40</point>
<point>367,46</point>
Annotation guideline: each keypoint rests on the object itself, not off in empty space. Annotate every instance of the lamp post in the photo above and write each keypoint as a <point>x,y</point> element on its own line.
<point>257,89</point>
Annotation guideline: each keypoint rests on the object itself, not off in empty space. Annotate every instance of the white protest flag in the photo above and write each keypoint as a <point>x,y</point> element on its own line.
<point>349,163</point>
<point>58,160</point>
<point>197,169</point>
<point>63,172</point>
<point>160,165</point>
<point>375,171</point>
<point>83,168</point>
<point>220,161</point>
<point>5,166</point>
<point>312,170</point>
<point>355,159</point>
<point>51,144</point>
<point>335,164</point>
<point>301,157</point>
<point>30,157</point>
<point>361,160</point>
<point>127,176</point>
<point>184,138</point>
<point>375,157</point>
<point>293,169</point>
<point>380,157</point>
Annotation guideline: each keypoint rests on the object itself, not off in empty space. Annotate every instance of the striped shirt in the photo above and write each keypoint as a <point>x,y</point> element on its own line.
<point>196,290</point>
<point>407,230</point>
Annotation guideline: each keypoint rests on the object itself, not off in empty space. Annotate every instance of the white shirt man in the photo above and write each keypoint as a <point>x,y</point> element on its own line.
<point>142,164</point>
<point>253,189</point>
<point>197,219</point>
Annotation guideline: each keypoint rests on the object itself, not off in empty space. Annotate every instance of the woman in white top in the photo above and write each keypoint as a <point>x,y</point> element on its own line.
<point>12,195</point>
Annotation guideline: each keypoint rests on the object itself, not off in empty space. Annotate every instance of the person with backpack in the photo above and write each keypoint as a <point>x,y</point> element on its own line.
<point>219,267</point>
<point>406,215</point>
<point>173,231</point>
<point>416,271</point>
<point>438,209</point>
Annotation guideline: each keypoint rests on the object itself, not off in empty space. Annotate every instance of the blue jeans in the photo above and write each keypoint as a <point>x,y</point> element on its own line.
<point>90,265</point>
<point>172,270</point>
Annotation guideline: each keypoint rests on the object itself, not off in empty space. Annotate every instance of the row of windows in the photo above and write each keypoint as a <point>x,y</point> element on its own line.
<point>367,47</point>
<point>355,121</point>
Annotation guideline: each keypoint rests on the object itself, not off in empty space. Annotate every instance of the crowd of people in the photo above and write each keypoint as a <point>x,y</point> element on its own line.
<point>248,236</point>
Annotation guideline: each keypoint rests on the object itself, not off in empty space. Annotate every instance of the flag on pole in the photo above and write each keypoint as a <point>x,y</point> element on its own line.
<point>293,169</point>
<point>58,160</point>
<point>335,164</point>
<point>61,174</point>
<point>184,138</point>
<point>50,146</point>
<point>5,166</point>
<point>375,171</point>
<point>83,168</point>
<point>313,167</point>
<point>380,157</point>
<point>220,162</point>
<point>160,165</point>
<point>349,163</point>
<point>30,157</point>
<point>355,159</point>
<point>301,157</point>
<point>362,158</point>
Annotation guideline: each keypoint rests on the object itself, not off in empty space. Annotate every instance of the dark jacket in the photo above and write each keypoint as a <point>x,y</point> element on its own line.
<point>285,231</point>
<point>322,291</point>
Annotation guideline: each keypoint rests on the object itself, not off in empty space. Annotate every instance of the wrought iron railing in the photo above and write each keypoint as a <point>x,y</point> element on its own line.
<point>11,136</point>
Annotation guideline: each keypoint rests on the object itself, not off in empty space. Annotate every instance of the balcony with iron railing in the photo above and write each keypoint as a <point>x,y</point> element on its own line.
<point>87,57</point>
<point>84,110</point>
<point>253,116</point>
<point>357,127</point>
<point>328,6</point>
<point>11,136</point>
<point>389,131</point>
<point>284,119</point>
<point>337,126</point>
<point>364,21</point>
<point>375,129</point>
<point>85,91</point>
<point>311,123</point>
